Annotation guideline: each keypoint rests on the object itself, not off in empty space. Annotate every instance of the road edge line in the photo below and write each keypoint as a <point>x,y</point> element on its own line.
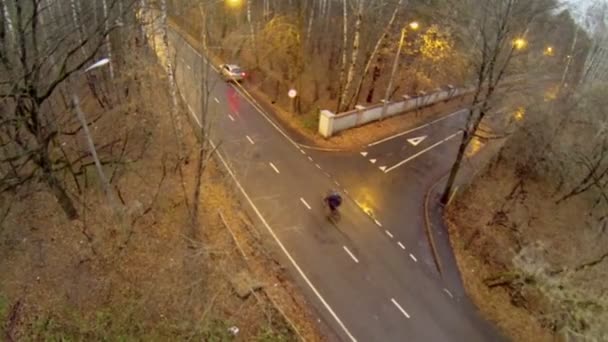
<point>427,225</point>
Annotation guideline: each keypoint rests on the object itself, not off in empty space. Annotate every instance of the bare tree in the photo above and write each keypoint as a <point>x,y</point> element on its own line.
<point>31,149</point>
<point>498,38</point>
<point>354,56</point>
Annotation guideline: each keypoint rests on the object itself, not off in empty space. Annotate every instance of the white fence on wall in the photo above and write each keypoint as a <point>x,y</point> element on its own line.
<point>330,123</point>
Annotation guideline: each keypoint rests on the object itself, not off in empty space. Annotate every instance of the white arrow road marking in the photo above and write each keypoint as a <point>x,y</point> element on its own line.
<point>373,161</point>
<point>417,140</point>
<point>364,154</point>
<point>421,152</point>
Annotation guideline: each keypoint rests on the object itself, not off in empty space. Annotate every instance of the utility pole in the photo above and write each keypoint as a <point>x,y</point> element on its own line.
<point>414,26</point>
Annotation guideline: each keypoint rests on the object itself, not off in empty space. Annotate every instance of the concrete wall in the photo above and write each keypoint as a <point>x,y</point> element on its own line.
<point>330,123</point>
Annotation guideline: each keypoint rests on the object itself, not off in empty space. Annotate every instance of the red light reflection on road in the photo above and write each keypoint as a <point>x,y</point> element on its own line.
<point>233,100</point>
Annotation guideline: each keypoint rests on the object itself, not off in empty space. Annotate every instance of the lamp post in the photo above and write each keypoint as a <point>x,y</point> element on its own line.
<point>83,121</point>
<point>414,26</point>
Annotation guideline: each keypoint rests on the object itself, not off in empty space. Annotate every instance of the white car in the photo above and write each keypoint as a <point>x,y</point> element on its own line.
<point>232,72</point>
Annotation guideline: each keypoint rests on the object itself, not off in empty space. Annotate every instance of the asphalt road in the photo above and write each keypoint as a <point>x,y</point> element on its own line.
<point>366,280</point>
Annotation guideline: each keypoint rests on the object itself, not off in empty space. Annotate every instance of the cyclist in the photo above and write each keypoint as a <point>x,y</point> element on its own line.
<point>333,200</point>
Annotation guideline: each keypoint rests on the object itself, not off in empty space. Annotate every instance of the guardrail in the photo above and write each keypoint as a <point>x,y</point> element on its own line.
<point>331,123</point>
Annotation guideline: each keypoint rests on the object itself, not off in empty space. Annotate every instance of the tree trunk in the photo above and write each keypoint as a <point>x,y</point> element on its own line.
<point>62,197</point>
<point>310,21</point>
<point>372,57</point>
<point>445,198</point>
<point>344,43</point>
<point>106,26</point>
<point>171,78</point>
<point>372,86</point>
<point>354,57</point>
<point>9,22</point>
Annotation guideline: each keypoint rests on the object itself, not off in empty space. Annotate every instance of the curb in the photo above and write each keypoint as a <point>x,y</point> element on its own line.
<point>428,228</point>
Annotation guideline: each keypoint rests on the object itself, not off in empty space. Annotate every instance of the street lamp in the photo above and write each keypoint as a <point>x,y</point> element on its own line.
<point>414,26</point>
<point>520,43</point>
<point>85,127</point>
<point>234,3</point>
<point>97,64</point>
<point>549,51</point>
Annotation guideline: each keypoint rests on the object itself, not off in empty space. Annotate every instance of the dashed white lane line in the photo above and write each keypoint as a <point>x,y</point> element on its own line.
<point>421,152</point>
<point>400,308</point>
<point>231,118</point>
<point>302,151</point>
<point>276,238</point>
<point>378,223</point>
<point>448,292</point>
<point>250,140</point>
<point>413,257</point>
<point>389,234</point>
<point>310,158</point>
<point>304,202</point>
<point>318,166</point>
<point>216,100</point>
<point>189,68</point>
<point>351,254</point>
<point>274,168</point>
<point>401,245</point>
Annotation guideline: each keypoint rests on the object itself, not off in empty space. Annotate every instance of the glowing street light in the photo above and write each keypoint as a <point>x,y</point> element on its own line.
<point>98,64</point>
<point>548,51</point>
<point>414,25</point>
<point>520,43</point>
<point>234,3</point>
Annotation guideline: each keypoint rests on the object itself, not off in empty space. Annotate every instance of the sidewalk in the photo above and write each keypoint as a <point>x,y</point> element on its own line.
<point>437,230</point>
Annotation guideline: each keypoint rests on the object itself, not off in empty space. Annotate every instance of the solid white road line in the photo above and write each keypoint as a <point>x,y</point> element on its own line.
<point>421,152</point>
<point>414,129</point>
<point>351,254</point>
<point>250,140</point>
<point>231,118</point>
<point>401,245</point>
<point>413,257</point>
<point>274,168</point>
<point>400,308</point>
<point>389,234</point>
<point>304,202</point>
